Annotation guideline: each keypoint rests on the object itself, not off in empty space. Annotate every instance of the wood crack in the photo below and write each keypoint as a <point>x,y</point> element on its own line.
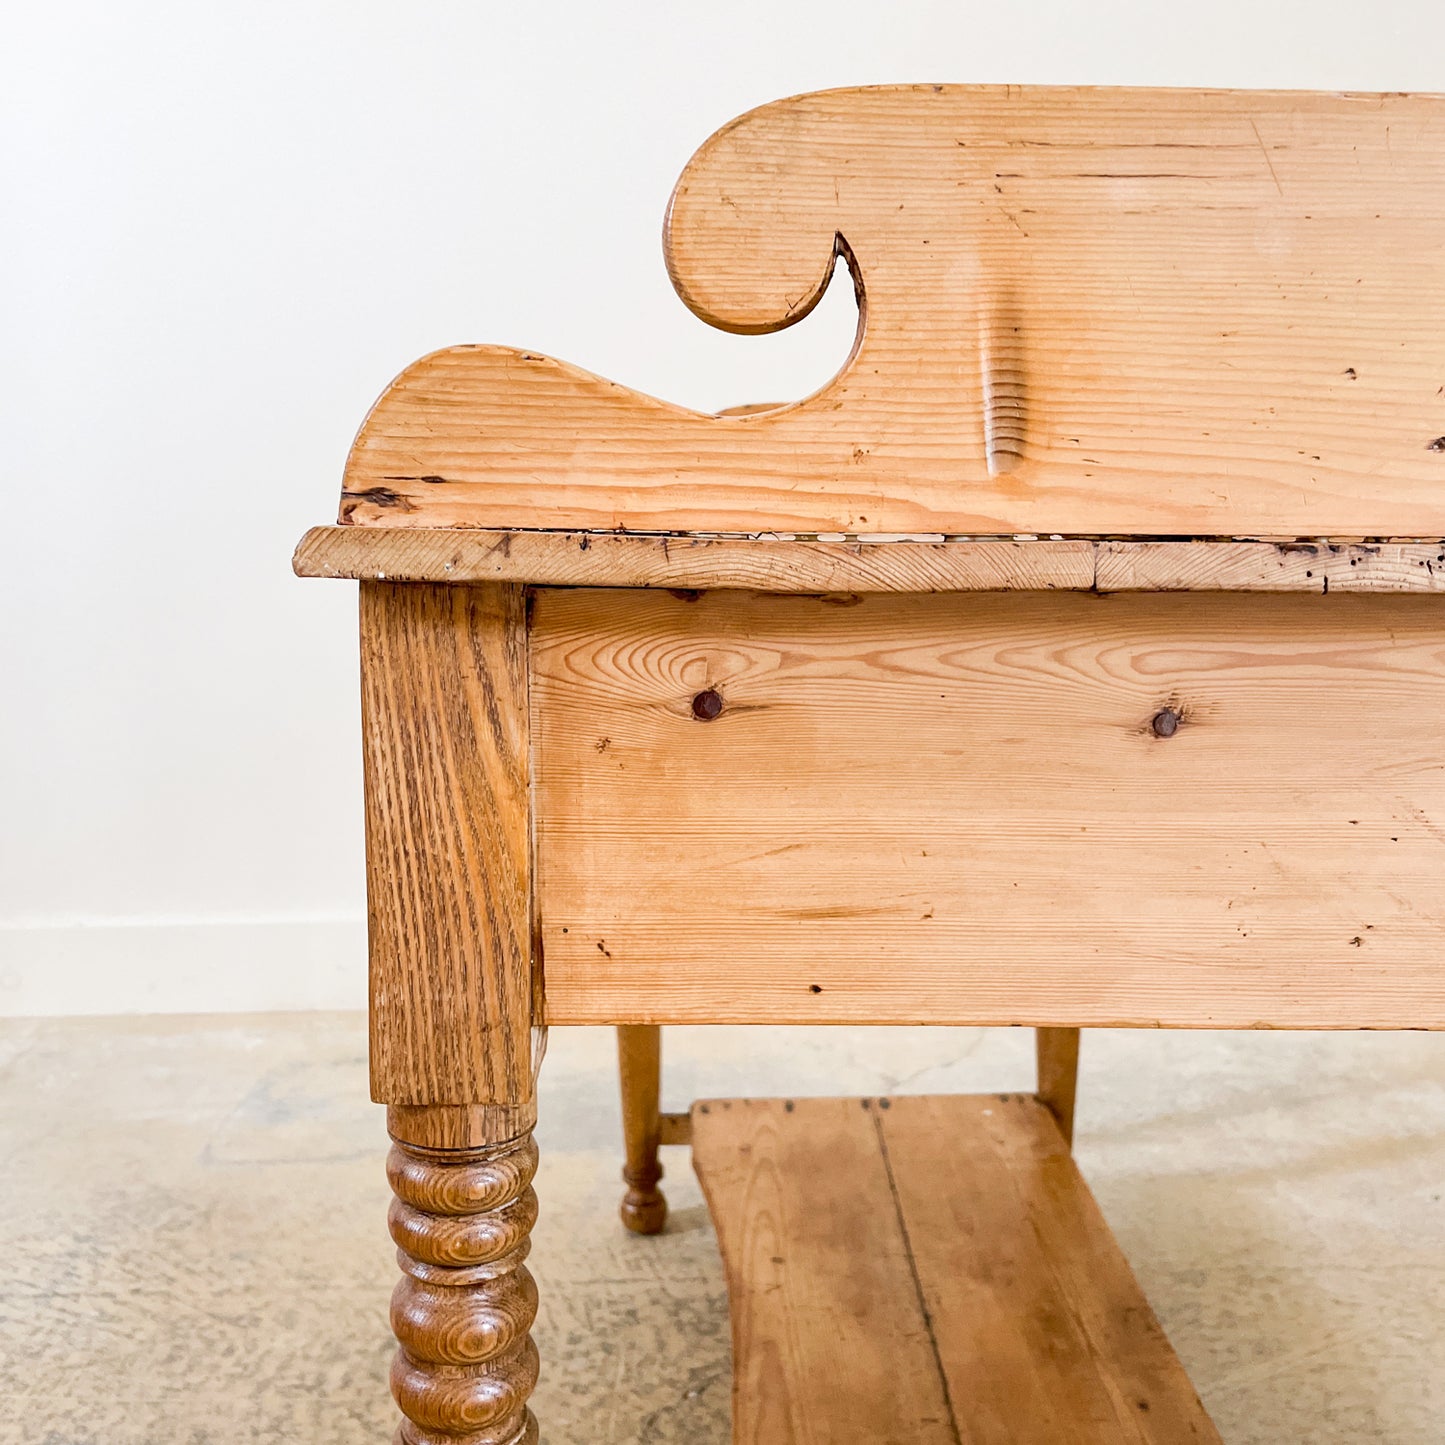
<point>926,1313</point>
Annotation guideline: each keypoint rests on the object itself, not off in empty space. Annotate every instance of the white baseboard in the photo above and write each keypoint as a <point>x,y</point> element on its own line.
<point>229,965</point>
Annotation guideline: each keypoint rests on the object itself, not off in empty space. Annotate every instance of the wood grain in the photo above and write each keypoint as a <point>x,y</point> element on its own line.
<point>1056,1054</point>
<point>463,1309</point>
<point>915,1270</point>
<point>1042,1331</point>
<point>606,559</point>
<point>674,1129</point>
<point>460,1126</point>
<point>830,1341</point>
<point>1143,312</point>
<point>956,809</point>
<point>449,887</point>
<point>1304,565</point>
<point>805,565</point>
<point>639,1068</point>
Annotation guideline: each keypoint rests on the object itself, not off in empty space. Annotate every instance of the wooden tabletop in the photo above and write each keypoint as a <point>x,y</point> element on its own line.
<point>809,565</point>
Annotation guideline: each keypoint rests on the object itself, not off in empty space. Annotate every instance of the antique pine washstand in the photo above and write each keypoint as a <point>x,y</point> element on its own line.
<point>1071,659</point>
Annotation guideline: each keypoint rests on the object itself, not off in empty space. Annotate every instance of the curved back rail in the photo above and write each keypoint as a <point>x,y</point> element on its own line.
<point>1082,311</point>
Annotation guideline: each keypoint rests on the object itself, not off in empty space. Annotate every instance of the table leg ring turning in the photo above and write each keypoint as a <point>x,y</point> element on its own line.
<point>463,1310</point>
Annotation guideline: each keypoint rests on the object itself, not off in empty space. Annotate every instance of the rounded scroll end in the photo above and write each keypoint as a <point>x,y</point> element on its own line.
<point>751,231</point>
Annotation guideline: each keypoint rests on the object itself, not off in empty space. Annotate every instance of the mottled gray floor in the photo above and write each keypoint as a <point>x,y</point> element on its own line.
<point>192,1212</point>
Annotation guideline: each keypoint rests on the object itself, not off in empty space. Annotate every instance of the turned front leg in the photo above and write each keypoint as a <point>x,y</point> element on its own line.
<point>463,1310</point>
<point>454,993</point>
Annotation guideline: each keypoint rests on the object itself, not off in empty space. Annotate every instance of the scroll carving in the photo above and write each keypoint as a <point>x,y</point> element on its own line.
<point>1082,311</point>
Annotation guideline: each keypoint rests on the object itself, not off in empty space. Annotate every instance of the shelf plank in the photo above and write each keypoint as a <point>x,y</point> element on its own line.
<point>912,1270</point>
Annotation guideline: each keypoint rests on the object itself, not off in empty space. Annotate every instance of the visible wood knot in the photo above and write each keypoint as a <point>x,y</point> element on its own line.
<point>707,705</point>
<point>1165,722</point>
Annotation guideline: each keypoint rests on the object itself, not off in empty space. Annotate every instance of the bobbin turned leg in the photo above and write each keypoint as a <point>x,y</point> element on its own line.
<point>463,1309</point>
<point>454,995</point>
<point>639,1061</point>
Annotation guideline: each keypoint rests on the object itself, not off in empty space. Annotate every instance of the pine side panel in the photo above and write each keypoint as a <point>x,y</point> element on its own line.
<point>446,739</point>
<point>958,809</point>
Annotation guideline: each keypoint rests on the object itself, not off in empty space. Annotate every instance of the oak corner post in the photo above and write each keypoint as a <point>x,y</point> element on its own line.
<point>453,997</point>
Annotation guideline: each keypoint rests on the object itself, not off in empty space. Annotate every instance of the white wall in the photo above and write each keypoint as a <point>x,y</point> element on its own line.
<point>223,227</point>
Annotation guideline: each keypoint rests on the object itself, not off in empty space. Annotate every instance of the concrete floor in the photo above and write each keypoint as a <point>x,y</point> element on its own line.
<point>193,1217</point>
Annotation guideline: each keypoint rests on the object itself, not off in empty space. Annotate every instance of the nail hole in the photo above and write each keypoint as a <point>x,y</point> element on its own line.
<point>707,705</point>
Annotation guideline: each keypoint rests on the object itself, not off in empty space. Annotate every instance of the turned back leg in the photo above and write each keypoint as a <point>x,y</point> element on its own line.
<point>639,1060</point>
<point>1058,1066</point>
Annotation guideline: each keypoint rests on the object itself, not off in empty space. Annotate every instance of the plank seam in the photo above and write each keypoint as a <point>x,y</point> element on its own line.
<point>913,1271</point>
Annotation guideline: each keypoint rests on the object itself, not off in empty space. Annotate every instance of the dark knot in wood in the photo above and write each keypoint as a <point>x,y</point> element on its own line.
<point>707,705</point>
<point>1165,722</point>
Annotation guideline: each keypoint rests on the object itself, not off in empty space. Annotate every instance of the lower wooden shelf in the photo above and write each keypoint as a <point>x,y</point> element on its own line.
<point>928,1271</point>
